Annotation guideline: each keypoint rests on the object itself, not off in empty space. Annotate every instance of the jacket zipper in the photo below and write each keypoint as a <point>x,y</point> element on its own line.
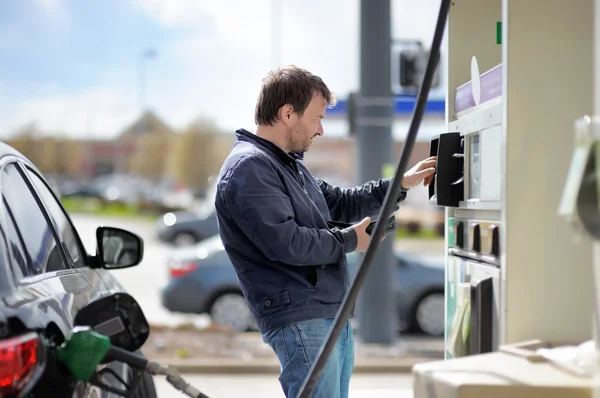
<point>297,174</point>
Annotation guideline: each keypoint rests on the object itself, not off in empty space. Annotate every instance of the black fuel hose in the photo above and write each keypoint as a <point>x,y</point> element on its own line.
<point>389,203</point>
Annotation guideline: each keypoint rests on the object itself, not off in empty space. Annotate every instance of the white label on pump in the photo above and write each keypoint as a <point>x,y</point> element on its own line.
<point>451,274</point>
<point>475,81</point>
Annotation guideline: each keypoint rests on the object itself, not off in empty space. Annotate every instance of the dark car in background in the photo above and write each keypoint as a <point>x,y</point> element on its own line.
<point>186,227</point>
<point>203,281</point>
<point>46,277</point>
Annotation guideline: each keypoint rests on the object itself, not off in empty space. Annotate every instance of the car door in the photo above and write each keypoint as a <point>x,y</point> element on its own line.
<point>49,270</point>
<point>101,280</point>
<point>70,239</point>
<point>75,256</point>
<point>49,290</point>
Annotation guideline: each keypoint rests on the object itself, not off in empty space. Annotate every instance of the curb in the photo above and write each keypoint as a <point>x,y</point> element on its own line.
<point>268,366</point>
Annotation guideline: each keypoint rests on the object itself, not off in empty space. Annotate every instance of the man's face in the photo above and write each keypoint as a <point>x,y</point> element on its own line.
<point>306,127</point>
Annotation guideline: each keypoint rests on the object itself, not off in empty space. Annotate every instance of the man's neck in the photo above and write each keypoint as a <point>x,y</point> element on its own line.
<point>271,134</point>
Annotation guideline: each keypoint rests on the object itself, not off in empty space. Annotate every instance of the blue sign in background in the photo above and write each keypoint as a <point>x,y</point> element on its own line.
<point>403,105</point>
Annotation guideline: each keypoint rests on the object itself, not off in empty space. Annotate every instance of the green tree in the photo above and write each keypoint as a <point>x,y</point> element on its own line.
<point>198,154</point>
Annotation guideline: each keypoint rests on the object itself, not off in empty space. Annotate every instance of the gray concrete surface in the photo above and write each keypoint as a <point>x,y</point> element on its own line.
<point>267,386</point>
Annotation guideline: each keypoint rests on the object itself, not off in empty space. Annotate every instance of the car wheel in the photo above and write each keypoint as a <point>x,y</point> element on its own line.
<point>184,239</point>
<point>430,314</point>
<point>230,309</point>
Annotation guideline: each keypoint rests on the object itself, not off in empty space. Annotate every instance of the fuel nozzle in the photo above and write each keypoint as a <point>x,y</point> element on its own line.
<point>82,351</point>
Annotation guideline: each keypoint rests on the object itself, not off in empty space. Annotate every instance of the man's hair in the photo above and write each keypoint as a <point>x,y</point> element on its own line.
<point>288,85</point>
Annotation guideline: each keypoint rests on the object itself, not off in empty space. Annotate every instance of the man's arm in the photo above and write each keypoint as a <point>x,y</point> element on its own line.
<point>353,204</point>
<point>257,202</point>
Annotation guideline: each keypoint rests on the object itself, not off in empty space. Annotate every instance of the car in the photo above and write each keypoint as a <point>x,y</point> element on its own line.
<point>202,280</point>
<point>186,227</point>
<point>46,277</point>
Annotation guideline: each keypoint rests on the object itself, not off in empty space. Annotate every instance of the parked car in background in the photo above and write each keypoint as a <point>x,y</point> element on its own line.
<point>46,276</point>
<point>186,227</point>
<point>202,280</point>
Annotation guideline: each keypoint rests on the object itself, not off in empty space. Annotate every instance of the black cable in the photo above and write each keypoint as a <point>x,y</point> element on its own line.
<point>389,203</point>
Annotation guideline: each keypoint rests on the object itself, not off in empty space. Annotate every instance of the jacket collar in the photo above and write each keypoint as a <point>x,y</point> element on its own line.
<point>245,135</point>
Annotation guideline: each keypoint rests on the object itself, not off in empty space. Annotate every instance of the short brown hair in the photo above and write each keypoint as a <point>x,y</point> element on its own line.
<point>288,85</point>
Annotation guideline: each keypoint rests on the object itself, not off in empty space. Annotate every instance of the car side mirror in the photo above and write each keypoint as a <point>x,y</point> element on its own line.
<point>118,248</point>
<point>117,316</point>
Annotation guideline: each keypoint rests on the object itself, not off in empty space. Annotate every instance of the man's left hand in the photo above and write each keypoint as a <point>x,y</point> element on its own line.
<point>422,171</point>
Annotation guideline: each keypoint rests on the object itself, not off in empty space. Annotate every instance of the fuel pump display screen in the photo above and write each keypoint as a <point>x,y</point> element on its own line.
<point>474,167</point>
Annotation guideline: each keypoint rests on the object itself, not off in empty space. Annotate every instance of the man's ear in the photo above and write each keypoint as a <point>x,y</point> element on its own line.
<point>286,113</point>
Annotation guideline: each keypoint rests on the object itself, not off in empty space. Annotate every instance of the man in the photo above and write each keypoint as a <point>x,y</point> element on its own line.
<point>273,220</point>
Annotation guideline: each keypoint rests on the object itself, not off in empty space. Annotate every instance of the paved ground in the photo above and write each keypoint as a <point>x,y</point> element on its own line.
<point>226,386</point>
<point>144,283</point>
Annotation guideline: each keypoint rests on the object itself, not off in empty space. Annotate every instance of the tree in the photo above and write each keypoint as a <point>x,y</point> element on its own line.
<point>197,154</point>
<point>49,155</point>
<point>151,154</point>
<point>26,141</point>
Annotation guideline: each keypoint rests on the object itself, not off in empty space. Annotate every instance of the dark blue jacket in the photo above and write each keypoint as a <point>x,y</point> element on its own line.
<point>272,216</point>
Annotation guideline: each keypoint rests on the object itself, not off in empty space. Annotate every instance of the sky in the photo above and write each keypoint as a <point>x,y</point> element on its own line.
<point>74,67</point>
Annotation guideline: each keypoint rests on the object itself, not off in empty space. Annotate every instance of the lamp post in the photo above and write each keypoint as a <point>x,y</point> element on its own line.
<point>276,31</point>
<point>375,306</point>
<point>143,57</point>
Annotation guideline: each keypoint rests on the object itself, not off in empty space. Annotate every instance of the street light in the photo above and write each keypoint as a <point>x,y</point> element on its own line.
<point>276,32</point>
<point>145,55</point>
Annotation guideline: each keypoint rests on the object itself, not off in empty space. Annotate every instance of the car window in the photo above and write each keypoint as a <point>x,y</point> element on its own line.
<point>65,228</point>
<point>30,220</point>
<point>18,258</point>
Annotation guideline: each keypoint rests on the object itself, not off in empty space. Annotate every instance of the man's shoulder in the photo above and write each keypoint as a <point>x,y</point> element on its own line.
<point>243,162</point>
<point>244,155</point>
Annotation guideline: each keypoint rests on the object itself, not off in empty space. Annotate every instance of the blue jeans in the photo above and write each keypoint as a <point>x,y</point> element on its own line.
<point>297,346</point>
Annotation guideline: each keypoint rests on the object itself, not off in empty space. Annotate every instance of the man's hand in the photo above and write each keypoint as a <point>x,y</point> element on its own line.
<point>422,171</point>
<point>362,237</point>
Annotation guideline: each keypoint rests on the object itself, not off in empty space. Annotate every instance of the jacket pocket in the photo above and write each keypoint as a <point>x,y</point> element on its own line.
<point>274,302</point>
<point>310,275</point>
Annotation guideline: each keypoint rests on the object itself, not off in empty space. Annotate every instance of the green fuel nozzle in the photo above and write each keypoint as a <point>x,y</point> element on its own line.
<point>82,351</point>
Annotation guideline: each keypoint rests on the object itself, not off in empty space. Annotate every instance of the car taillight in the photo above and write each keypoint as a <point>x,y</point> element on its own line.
<point>177,269</point>
<point>18,360</point>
